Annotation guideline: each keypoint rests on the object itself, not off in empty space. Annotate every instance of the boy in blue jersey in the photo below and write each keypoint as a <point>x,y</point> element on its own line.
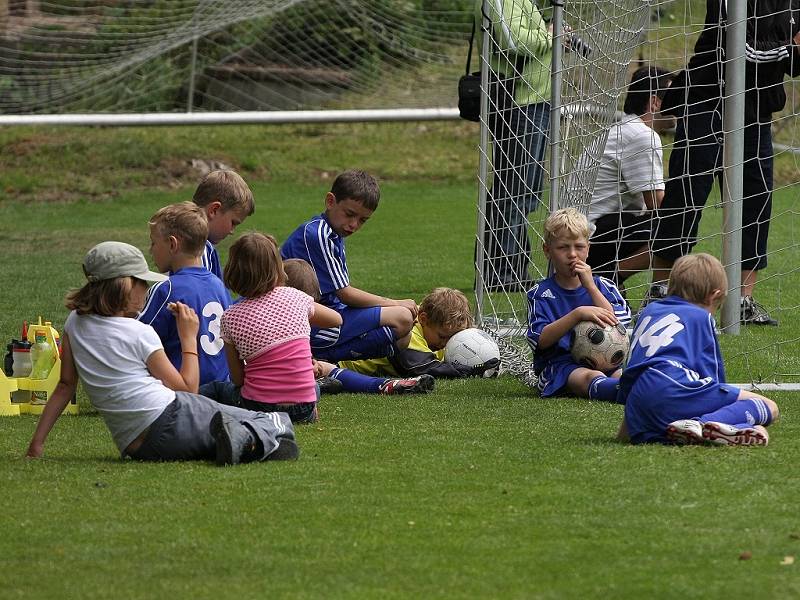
<point>674,386</point>
<point>227,202</point>
<point>372,326</point>
<point>557,304</point>
<point>178,234</point>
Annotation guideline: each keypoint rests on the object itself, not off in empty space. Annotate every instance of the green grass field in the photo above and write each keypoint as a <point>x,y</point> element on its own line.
<point>480,489</point>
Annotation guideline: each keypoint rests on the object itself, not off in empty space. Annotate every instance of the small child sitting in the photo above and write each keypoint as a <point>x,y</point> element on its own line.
<point>571,295</point>
<point>674,386</point>
<point>330,377</point>
<point>178,236</point>
<point>372,326</point>
<point>266,334</point>
<point>151,409</point>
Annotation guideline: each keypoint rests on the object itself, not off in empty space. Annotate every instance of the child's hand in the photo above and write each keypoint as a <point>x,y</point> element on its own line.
<point>584,273</point>
<point>317,367</point>
<point>186,320</point>
<point>35,450</point>
<point>410,305</point>
<point>601,316</point>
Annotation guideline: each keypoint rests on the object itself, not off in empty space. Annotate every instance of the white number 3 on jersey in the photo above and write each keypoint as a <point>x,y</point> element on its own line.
<point>212,343</point>
<point>659,335</point>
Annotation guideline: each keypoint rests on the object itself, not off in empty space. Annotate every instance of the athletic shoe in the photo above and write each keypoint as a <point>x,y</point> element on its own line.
<point>753,313</point>
<point>728,435</point>
<point>657,291</point>
<point>234,440</point>
<point>287,450</point>
<point>329,385</point>
<point>685,431</point>
<point>412,385</point>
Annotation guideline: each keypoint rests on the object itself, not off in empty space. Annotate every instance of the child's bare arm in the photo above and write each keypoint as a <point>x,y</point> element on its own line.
<point>235,364</point>
<point>557,329</point>
<point>353,296</point>
<point>62,395</point>
<point>188,379</point>
<point>324,316</point>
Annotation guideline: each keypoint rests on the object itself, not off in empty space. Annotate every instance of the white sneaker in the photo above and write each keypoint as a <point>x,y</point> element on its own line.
<point>728,435</point>
<point>685,431</point>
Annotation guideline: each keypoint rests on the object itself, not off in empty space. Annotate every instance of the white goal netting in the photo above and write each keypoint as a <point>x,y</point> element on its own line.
<point>66,56</point>
<point>602,43</point>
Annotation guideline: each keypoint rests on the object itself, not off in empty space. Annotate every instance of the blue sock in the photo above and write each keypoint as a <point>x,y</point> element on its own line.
<point>357,382</point>
<point>604,388</point>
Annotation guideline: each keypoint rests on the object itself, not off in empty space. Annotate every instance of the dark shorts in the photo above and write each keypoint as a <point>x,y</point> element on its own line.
<point>360,336</point>
<point>618,236</point>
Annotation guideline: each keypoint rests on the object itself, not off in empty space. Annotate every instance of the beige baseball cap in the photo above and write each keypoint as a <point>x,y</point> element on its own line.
<point>109,260</point>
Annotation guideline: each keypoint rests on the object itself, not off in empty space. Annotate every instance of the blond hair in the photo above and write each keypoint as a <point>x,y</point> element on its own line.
<point>254,265</point>
<point>229,189</point>
<point>446,307</point>
<point>187,222</point>
<point>695,276</point>
<point>566,222</point>
<point>301,275</point>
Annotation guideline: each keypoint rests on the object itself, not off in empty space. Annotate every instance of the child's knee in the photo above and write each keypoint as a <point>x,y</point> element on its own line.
<point>398,318</point>
<point>773,409</point>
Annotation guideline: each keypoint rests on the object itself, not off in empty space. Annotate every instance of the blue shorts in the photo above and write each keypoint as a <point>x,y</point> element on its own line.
<point>668,393</point>
<point>360,336</point>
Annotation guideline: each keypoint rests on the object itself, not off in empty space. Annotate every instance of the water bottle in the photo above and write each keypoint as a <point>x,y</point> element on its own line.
<point>21,367</point>
<point>42,356</point>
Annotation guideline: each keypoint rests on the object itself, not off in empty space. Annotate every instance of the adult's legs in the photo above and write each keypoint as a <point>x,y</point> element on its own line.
<point>516,192</point>
<point>695,157</point>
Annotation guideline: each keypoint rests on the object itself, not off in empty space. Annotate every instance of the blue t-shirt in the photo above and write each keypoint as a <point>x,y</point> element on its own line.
<point>548,302</point>
<point>204,292</point>
<point>211,260</point>
<point>673,332</point>
<point>320,246</point>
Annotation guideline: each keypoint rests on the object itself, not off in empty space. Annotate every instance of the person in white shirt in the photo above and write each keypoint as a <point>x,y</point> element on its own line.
<point>630,181</point>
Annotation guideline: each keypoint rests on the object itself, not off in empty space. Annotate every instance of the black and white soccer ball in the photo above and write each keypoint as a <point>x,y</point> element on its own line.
<point>598,347</point>
<point>471,348</point>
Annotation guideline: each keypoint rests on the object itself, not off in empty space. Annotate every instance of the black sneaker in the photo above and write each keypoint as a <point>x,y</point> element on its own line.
<point>235,443</point>
<point>657,291</point>
<point>753,313</point>
<point>329,385</point>
<point>287,450</point>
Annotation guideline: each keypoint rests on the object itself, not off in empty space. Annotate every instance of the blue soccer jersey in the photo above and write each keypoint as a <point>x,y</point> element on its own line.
<point>211,260</point>
<point>204,292</point>
<point>675,369</point>
<point>320,246</point>
<point>548,302</point>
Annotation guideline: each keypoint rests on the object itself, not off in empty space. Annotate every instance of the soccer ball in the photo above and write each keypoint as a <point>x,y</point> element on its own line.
<point>597,347</point>
<point>470,348</point>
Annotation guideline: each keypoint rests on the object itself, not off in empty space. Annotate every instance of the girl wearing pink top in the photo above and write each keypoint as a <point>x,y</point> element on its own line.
<point>266,335</point>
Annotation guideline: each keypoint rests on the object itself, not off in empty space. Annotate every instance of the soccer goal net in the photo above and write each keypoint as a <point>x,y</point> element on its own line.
<point>93,56</point>
<point>606,152</point>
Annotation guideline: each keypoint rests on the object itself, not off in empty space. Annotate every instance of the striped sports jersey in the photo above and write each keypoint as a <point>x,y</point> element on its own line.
<point>674,332</point>
<point>211,260</point>
<point>548,302</point>
<point>204,292</point>
<point>317,244</point>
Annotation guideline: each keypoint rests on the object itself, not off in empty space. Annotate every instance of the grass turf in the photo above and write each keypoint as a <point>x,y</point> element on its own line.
<point>478,490</point>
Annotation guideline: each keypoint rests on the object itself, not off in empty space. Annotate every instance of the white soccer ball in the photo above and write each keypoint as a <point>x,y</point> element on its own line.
<point>597,347</point>
<point>470,348</point>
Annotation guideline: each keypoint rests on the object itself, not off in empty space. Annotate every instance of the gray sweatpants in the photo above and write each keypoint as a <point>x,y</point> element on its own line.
<point>181,432</point>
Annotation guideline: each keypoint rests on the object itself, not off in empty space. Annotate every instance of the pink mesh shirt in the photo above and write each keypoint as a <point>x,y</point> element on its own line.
<point>271,334</point>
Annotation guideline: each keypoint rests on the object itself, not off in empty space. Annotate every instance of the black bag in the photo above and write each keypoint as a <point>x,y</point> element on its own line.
<point>469,88</point>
